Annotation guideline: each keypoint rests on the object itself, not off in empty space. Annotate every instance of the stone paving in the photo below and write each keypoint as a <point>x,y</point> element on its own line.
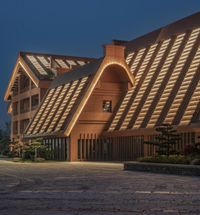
<point>62,188</point>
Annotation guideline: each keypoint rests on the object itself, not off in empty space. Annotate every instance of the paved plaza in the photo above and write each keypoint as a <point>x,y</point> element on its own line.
<point>62,188</point>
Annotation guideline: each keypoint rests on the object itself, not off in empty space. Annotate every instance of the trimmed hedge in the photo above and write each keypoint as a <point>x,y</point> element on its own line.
<point>172,159</point>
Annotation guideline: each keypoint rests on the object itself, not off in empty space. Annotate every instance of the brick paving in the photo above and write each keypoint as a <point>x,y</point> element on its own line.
<point>61,188</point>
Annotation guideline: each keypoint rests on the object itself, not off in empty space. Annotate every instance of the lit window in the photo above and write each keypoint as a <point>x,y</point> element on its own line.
<point>107,106</point>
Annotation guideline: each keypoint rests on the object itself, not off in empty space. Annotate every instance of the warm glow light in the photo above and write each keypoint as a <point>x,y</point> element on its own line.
<point>21,64</point>
<point>144,86</point>
<point>175,74</point>
<point>36,64</point>
<point>40,111</point>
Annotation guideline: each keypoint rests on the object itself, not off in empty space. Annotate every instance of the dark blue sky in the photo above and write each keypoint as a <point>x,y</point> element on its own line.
<point>77,27</point>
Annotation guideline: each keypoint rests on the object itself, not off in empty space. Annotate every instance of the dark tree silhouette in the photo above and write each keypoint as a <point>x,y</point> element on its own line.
<point>5,139</point>
<point>166,141</point>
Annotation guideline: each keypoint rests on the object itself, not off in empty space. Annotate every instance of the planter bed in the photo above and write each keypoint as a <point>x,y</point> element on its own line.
<point>177,169</point>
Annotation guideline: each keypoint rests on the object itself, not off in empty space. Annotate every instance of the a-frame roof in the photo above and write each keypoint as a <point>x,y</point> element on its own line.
<point>67,97</point>
<point>166,66</point>
<point>39,66</point>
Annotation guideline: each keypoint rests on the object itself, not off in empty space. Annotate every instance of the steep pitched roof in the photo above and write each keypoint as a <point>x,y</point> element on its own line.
<point>166,66</point>
<point>77,73</point>
<point>39,66</point>
<point>45,65</point>
<point>67,97</point>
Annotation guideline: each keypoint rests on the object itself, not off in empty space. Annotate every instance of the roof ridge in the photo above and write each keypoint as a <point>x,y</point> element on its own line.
<point>55,55</point>
<point>164,32</point>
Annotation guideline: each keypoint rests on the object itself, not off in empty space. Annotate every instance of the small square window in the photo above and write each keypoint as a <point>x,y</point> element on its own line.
<point>107,106</point>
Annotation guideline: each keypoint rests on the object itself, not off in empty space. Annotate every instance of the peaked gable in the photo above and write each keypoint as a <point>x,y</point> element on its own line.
<point>68,96</point>
<point>40,66</point>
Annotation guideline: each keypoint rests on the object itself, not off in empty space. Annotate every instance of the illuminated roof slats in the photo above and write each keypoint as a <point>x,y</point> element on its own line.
<point>183,88</point>
<point>63,106</point>
<point>172,81</point>
<point>71,103</point>
<point>35,63</point>
<point>147,80</point>
<point>40,111</point>
<point>137,59</point>
<point>129,57</point>
<point>61,63</point>
<point>47,110</point>
<point>139,74</point>
<point>137,78</point>
<point>71,62</point>
<point>180,73</point>
<point>81,63</point>
<point>57,103</point>
<point>43,60</point>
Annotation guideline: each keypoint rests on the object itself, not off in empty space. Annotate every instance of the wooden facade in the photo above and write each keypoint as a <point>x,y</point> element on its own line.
<point>104,109</point>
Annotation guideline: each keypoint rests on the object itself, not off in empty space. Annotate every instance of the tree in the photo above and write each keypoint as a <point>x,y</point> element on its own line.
<point>166,141</point>
<point>5,139</point>
<point>34,149</point>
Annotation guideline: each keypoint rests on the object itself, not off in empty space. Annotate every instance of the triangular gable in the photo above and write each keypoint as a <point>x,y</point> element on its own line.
<point>39,66</point>
<point>20,63</point>
<point>106,63</point>
<point>69,94</point>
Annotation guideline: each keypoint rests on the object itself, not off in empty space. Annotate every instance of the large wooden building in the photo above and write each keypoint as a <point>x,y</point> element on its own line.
<point>104,109</point>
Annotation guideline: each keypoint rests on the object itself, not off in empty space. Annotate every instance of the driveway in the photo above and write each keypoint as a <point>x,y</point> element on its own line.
<point>62,188</point>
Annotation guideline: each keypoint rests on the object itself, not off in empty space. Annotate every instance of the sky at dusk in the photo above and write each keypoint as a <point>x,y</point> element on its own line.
<point>77,27</point>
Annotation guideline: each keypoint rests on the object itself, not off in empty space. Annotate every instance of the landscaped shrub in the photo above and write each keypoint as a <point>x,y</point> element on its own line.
<point>166,140</point>
<point>173,159</point>
<point>35,149</point>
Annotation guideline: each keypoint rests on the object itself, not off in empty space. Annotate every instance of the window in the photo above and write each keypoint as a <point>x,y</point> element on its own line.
<point>25,105</point>
<point>107,106</point>
<point>24,83</point>
<point>34,101</point>
<point>23,125</point>
<point>15,108</point>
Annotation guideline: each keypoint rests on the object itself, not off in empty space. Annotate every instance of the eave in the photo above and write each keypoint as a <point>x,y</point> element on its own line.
<point>20,63</point>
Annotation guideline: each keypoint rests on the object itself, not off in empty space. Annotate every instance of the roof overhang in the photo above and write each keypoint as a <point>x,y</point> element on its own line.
<point>19,64</point>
